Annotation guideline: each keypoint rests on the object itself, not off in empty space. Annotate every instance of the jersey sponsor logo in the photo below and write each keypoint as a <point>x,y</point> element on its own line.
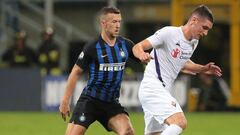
<point>112,66</point>
<point>185,55</point>
<point>175,53</point>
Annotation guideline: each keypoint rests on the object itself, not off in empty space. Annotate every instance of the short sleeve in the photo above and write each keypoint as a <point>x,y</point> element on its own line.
<point>84,57</point>
<point>130,45</point>
<point>158,37</point>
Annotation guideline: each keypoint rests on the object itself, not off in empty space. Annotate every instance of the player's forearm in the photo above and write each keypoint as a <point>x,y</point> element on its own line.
<point>71,83</point>
<point>188,72</point>
<point>197,68</point>
<point>192,67</point>
<point>138,50</point>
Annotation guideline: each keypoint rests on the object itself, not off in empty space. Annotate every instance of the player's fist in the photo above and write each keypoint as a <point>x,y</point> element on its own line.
<point>145,57</point>
<point>64,110</point>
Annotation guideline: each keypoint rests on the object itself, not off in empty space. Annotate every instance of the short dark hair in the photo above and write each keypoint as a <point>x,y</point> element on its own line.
<point>107,10</point>
<point>203,11</point>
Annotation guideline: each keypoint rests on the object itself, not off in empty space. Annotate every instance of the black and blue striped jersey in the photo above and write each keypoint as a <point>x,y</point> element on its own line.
<point>106,66</point>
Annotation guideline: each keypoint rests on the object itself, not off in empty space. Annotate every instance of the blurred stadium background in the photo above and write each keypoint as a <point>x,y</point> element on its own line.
<point>29,101</point>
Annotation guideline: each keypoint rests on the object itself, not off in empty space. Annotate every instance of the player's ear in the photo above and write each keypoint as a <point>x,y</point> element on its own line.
<point>195,19</point>
<point>191,21</point>
<point>103,23</point>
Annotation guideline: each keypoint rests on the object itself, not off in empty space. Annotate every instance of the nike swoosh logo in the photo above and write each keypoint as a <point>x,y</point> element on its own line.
<point>104,56</point>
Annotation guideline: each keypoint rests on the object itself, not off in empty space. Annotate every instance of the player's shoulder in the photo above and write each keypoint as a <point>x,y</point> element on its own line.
<point>91,44</point>
<point>128,41</point>
<point>123,38</point>
<point>169,29</point>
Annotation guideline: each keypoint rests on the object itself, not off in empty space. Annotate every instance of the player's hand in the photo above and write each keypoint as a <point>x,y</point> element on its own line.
<point>145,57</point>
<point>212,69</point>
<point>64,110</point>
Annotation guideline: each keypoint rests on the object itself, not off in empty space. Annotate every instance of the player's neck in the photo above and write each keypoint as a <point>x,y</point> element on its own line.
<point>108,39</point>
<point>186,32</point>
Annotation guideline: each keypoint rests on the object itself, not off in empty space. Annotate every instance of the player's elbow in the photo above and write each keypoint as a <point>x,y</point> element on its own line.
<point>128,131</point>
<point>182,124</point>
<point>137,50</point>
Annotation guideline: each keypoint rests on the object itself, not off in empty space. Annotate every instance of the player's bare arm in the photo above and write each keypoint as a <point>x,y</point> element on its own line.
<point>189,68</point>
<point>64,107</point>
<point>211,69</point>
<point>139,51</point>
<point>188,72</point>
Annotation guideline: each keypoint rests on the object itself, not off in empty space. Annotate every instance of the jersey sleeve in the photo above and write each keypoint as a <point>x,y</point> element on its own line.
<point>84,57</point>
<point>157,39</point>
<point>130,45</point>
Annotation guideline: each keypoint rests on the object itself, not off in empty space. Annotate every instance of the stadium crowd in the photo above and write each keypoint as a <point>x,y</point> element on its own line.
<point>46,57</point>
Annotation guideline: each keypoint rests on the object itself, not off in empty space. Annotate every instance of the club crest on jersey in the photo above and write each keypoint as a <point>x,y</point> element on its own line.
<point>175,53</point>
<point>82,118</point>
<point>81,55</point>
<point>122,53</point>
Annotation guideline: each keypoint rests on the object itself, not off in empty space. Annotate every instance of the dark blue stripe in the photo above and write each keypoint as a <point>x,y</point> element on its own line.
<point>125,49</point>
<point>100,73</point>
<point>119,58</point>
<point>158,68</point>
<point>91,72</point>
<point>110,60</point>
<point>115,87</point>
<point>121,47</point>
<point>100,60</point>
<point>90,90</point>
<point>107,95</point>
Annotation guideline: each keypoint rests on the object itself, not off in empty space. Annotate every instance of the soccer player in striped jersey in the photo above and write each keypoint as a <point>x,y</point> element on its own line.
<point>105,60</point>
<point>172,50</point>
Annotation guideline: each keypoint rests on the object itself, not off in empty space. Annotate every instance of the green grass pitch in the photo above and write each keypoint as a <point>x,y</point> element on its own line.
<point>40,123</point>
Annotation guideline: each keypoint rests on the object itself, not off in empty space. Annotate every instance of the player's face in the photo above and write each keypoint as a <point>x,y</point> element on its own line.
<point>200,27</point>
<point>112,24</point>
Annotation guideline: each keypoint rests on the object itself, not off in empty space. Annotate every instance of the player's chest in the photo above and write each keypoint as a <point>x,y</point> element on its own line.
<point>111,55</point>
<point>180,50</point>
